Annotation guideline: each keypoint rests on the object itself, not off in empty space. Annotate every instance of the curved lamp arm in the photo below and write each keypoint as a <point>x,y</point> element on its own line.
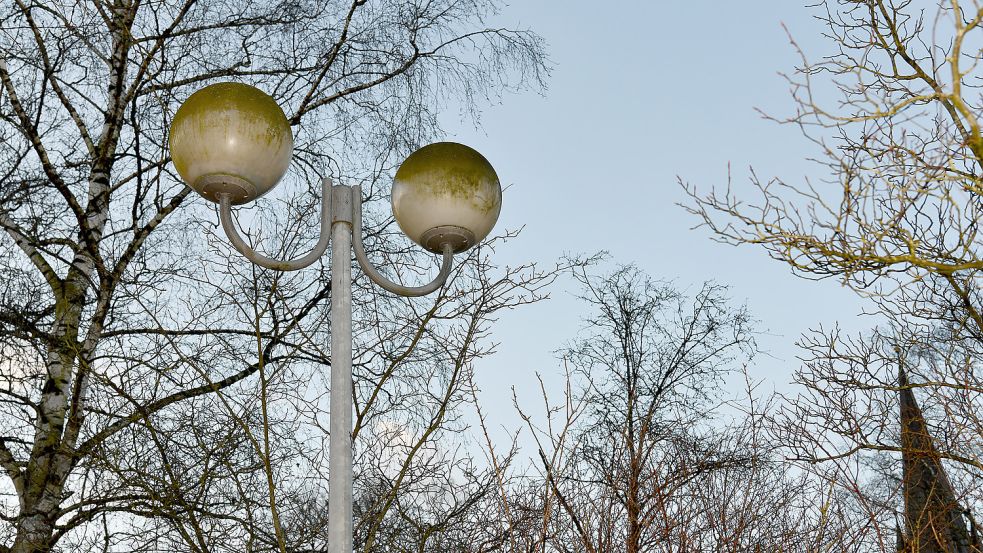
<point>225,214</point>
<point>373,273</point>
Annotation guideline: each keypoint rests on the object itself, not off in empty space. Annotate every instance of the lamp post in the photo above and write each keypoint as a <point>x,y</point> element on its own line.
<point>232,143</point>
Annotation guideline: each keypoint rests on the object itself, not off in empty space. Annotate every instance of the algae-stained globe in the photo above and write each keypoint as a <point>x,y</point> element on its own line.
<point>231,138</point>
<point>446,193</point>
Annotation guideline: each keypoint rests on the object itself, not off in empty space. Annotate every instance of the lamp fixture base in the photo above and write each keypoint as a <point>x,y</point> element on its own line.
<point>459,238</point>
<point>213,186</point>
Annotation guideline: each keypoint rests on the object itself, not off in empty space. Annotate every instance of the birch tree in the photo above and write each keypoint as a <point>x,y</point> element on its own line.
<point>155,390</point>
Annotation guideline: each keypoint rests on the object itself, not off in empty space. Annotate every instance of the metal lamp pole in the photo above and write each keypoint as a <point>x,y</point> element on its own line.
<point>340,222</point>
<point>232,143</point>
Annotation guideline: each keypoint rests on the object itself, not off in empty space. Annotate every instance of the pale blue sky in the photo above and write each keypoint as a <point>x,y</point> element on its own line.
<point>642,92</point>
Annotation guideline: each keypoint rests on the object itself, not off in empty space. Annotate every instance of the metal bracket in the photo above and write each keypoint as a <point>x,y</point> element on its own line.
<point>225,214</point>
<point>411,291</point>
<point>341,204</point>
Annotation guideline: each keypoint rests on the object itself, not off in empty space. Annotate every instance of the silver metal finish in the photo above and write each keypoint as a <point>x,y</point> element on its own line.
<point>341,199</point>
<point>225,214</point>
<point>459,238</point>
<point>213,187</point>
<point>376,276</point>
<point>340,445</point>
<point>341,221</point>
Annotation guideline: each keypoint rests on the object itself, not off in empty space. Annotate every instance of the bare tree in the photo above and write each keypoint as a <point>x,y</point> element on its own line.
<point>894,114</point>
<point>157,392</point>
<point>636,455</point>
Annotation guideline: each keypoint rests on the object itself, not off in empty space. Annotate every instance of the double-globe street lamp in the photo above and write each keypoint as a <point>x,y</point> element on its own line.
<point>232,143</point>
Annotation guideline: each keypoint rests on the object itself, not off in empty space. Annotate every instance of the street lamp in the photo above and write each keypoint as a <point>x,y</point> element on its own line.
<point>232,143</point>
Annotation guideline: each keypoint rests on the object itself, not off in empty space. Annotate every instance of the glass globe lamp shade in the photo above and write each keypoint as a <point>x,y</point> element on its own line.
<point>231,138</point>
<point>446,193</point>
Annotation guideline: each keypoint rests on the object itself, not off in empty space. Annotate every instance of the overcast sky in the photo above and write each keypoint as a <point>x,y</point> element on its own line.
<point>641,92</point>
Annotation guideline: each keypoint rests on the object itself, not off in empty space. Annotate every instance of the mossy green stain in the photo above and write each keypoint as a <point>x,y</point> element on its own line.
<point>219,106</point>
<point>452,169</point>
